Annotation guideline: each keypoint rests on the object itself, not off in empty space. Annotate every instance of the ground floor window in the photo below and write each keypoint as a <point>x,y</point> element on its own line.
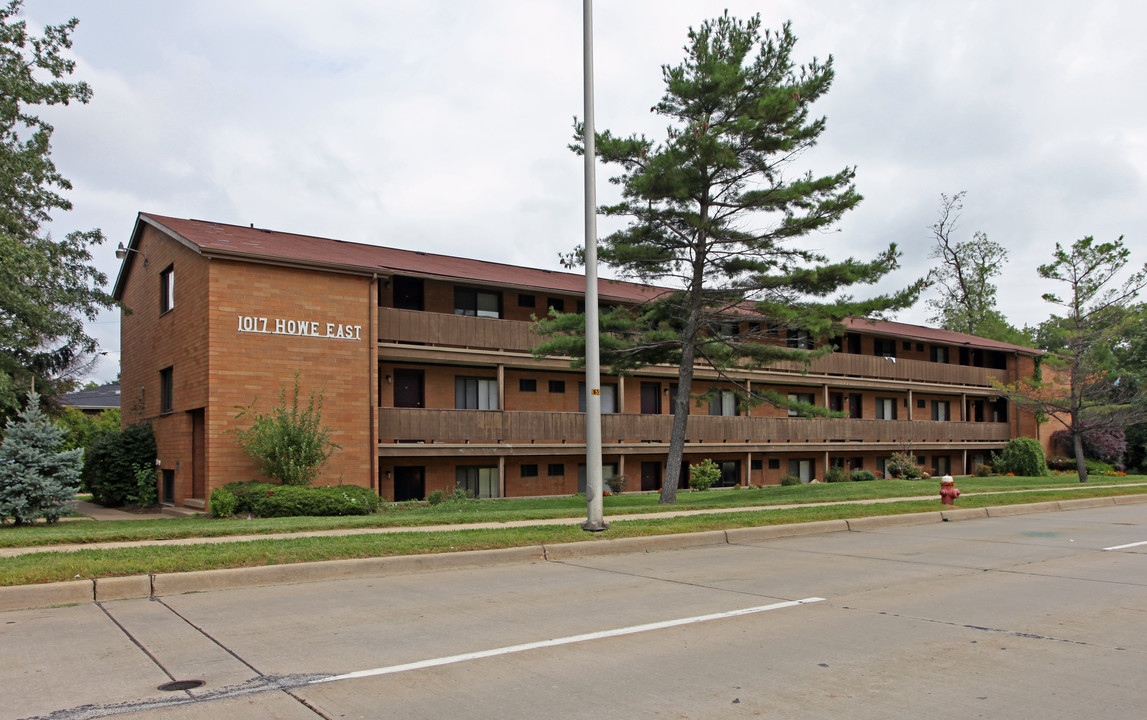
<point>477,482</point>
<point>941,465</point>
<point>803,469</point>
<point>608,470</point>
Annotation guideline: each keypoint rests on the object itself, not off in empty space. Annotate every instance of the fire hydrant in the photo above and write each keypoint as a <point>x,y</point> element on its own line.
<point>948,490</point>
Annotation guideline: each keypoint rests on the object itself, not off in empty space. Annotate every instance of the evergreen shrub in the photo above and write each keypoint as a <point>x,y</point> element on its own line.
<point>790,480</point>
<point>37,480</point>
<point>1021,456</point>
<point>983,470</point>
<point>837,474</point>
<point>863,476</point>
<point>903,465</point>
<point>324,500</point>
<point>436,498</point>
<point>112,460</point>
<point>222,503</point>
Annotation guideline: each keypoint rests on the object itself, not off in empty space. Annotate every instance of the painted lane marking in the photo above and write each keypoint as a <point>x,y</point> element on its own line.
<point>562,641</point>
<point>1128,545</point>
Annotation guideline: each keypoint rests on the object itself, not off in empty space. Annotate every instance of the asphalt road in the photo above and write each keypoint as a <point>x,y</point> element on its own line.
<point>1026,617</point>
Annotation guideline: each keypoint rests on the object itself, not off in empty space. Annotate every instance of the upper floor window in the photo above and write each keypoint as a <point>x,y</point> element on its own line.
<point>885,408</point>
<point>723,402</point>
<point>166,390</point>
<point>608,398</point>
<point>556,304</point>
<point>167,289</point>
<point>883,347</point>
<point>940,354</point>
<point>806,398</point>
<point>800,339</point>
<point>941,410</point>
<point>527,301</point>
<point>479,303</point>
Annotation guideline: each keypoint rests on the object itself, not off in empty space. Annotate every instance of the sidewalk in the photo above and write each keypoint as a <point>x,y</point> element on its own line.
<point>101,513</point>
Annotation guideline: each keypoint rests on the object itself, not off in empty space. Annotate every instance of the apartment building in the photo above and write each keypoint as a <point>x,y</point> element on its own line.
<point>428,383</point>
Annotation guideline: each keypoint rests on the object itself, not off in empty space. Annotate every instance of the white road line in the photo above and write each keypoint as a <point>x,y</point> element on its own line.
<point>563,641</point>
<point>1128,545</point>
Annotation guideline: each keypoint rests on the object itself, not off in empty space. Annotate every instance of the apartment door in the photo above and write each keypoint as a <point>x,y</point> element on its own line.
<point>650,398</point>
<point>409,388</point>
<point>802,469</point>
<point>650,475</point>
<point>198,455</point>
<point>409,483</point>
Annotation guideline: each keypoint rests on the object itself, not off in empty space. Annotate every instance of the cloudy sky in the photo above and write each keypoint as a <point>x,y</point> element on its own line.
<point>442,125</point>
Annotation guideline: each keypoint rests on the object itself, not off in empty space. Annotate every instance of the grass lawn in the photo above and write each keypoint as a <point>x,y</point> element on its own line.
<point>505,510</point>
<point>49,566</point>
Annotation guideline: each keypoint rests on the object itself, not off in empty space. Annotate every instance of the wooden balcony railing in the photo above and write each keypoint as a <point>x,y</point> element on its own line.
<point>484,427</point>
<point>427,328</point>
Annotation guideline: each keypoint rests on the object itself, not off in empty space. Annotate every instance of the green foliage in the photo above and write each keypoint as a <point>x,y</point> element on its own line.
<point>437,497</point>
<point>863,476</point>
<point>83,429</point>
<point>47,286</point>
<point>704,475</point>
<point>290,443</point>
<point>1021,456</point>
<point>111,462</point>
<point>837,474</point>
<point>984,470</point>
<point>1098,467</point>
<point>222,503</point>
<point>714,212</point>
<point>903,465</point>
<point>293,500</point>
<point>616,483</point>
<point>37,478</point>
<point>788,480</point>
<point>247,493</point>
<point>145,493</point>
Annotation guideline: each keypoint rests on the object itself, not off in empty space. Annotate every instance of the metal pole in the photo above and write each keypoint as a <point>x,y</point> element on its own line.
<point>594,515</point>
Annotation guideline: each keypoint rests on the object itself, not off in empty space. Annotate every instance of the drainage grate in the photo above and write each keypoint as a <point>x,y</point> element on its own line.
<point>180,685</point>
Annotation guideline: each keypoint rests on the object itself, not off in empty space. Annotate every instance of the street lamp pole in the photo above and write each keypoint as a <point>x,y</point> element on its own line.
<point>593,481</point>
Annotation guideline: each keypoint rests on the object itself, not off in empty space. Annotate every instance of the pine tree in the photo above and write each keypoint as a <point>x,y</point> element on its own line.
<point>715,215</point>
<point>37,480</point>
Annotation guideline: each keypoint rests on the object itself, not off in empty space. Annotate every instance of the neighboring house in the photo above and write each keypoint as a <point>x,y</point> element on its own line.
<point>428,382</point>
<point>93,401</point>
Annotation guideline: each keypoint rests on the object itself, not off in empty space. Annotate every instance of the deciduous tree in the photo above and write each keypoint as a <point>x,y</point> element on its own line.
<point>47,286</point>
<point>715,214</point>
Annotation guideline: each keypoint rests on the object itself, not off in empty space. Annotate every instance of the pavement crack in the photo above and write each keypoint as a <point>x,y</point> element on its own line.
<point>138,644</point>
<point>670,580</point>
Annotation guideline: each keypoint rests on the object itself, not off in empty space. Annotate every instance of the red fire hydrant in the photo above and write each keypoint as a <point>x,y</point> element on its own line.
<point>948,490</point>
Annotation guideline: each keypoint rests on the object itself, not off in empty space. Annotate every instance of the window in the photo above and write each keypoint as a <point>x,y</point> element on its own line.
<point>723,402</point>
<point>882,466</point>
<point>941,410</point>
<point>852,343</point>
<point>800,339</point>
<point>525,300</point>
<point>167,289</point>
<point>477,482</point>
<point>409,293</point>
<point>883,348</point>
<point>650,398</point>
<point>907,345</point>
<point>939,354</point>
<point>919,347</point>
<point>803,469</point>
<point>556,304</point>
<point>756,465</point>
<point>166,390</point>
<point>855,405</point>
<point>527,385</point>
<point>529,470</point>
<point>475,393</point>
<point>806,398</point>
<point>608,397</point>
<point>557,386</point>
<point>556,470</point>
<point>608,470</point>
<point>921,404</point>
<point>836,401</point>
<point>774,464</point>
<point>479,303</point>
<point>885,408</point>
<point>730,473</point>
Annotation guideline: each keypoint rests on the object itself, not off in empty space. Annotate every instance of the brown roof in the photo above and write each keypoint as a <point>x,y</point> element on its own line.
<point>251,243</point>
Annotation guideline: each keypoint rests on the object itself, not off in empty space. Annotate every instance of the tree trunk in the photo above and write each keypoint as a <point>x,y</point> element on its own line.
<point>680,425</point>
<point>1080,463</point>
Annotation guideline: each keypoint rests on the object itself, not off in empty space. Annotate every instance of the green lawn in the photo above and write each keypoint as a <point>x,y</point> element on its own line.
<point>55,566</point>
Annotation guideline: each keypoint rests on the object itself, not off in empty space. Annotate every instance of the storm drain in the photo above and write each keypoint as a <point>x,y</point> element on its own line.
<point>180,685</point>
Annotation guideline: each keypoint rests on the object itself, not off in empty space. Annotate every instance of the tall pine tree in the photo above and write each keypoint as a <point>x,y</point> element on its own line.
<point>37,480</point>
<point>714,215</point>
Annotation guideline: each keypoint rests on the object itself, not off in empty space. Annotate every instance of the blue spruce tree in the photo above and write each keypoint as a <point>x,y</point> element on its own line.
<point>36,479</point>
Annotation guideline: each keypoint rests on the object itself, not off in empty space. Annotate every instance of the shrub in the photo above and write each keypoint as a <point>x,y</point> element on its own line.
<point>459,495</point>
<point>437,497</point>
<point>247,493</point>
<point>83,429</point>
<point>863,476</point>
<point>837,474</point>
<point>36,479</point>
<point>290,443</point>
<point>292,501</point>
<point>1104,445</point>
<point>617,483</point>
<point>1098,467</point>
<point>145,492</point>
<point>1062,464</point>
<point>903,465</point>
<point>112,460</point>
<point>703,475</point>
<point>1021,456</point>
<point>223,503</point>
<point>983,470</point>
<point>790,480</point>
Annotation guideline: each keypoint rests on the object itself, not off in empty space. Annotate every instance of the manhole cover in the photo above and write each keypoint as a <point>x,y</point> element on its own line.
<point>180,685</point>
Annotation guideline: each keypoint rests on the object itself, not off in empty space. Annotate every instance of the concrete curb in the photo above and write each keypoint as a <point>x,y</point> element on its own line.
<point>25,597</point>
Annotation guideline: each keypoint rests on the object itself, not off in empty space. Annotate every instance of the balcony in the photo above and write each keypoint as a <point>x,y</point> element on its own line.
<point>440,329</point>
<point>492,427</point>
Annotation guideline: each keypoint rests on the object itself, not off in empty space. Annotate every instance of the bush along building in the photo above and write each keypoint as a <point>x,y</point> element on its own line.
<point>428,382</point>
